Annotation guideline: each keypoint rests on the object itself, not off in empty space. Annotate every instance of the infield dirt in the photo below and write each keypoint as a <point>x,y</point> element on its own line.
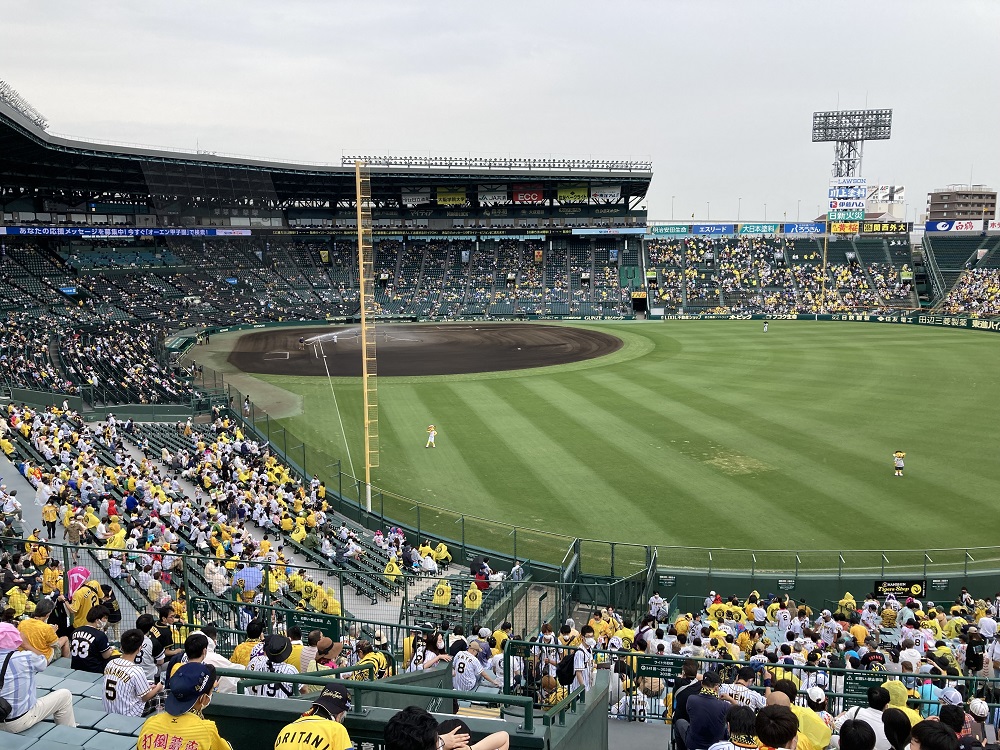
<point>418,349</point>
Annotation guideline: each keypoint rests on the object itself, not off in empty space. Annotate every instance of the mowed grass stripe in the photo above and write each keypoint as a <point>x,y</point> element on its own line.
<point>683,479</point>
<point>559,469</point>
<point>761,465</point>
<point>429,471</point>
<point>829,410</point>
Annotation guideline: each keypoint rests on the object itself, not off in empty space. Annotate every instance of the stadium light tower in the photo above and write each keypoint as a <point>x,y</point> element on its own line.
<point>369,361</point>
<point>849,129</point>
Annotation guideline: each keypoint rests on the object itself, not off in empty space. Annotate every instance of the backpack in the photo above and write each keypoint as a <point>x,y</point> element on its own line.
<point>565,671</point>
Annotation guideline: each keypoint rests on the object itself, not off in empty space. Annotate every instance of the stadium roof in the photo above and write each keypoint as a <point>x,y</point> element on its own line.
<point>33,159</point>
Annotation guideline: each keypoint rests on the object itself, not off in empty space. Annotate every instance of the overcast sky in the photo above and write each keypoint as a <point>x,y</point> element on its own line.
<point>718,93</point>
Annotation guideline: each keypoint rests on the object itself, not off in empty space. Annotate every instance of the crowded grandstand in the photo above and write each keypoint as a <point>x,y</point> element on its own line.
<point>151,564</point>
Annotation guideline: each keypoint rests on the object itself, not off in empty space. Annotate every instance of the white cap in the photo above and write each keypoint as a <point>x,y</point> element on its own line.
<point>816,694</point>
<point>711,593</point>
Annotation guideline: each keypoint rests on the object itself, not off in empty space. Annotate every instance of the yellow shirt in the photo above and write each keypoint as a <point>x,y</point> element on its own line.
<point>51,580</point>
<point>84,599</point>
<point>39,635</point>
<point>49,513</point>
<point>311,732</point>
<point>241,654</point>
<point>16,599</point>
<point>186,731</point>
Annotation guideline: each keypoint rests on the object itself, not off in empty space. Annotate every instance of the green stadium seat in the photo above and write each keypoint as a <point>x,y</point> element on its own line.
<point>10,741</point>
<point>77,736</point>
<point>76,687</point>
<point>38,731</point>
<point>88,703</point>
<point>46,744</point>
<point>62,672</point>
<point>108,741</point>
<point>87,718</point>
<point>117,724</point>
<point>80,676</point>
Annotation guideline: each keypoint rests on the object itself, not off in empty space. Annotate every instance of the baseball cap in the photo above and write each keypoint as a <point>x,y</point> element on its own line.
<point>333,700</point>
<point>979,708</point>
<point>826,613</point>
<point>484,632</point>
<point>187,685</point>
<point>973,629</point>
<point>950,696</point>
<point>816,694</point>
<point>380,638</point>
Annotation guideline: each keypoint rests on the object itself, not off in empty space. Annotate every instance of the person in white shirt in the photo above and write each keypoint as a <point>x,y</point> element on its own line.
<point>466,671</point>
<point>783,618</point>
<point>278,649</point>
<point>878,699</point>
<point>656,605</point>
<point>740,693</point>
<point>583,660</point>
<point>125,686</point>
<point>987,627</point>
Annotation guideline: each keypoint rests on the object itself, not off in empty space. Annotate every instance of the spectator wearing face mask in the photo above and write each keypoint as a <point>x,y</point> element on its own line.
<point>89,646</point>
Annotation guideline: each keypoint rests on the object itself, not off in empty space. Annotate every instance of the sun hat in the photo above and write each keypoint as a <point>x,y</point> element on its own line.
<point>278,648</point>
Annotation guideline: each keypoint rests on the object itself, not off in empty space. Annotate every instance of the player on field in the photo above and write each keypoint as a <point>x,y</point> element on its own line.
<point>765,326</point>
<point>897,462</point>
<point>431,434</point>
<point>126,688</point>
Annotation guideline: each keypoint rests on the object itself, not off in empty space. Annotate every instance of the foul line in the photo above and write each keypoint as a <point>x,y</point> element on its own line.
<point>337,407</point>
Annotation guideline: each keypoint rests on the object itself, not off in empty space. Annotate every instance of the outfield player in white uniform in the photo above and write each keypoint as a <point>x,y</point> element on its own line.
<point>126,688</point>
<point>431,434</point>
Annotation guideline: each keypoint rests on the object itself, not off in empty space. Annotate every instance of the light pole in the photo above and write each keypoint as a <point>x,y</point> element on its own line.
<point>739,207</point>
<point>708,210</point>
<point>672,206</point>
<point>798,210</point>
<point>765,212</point>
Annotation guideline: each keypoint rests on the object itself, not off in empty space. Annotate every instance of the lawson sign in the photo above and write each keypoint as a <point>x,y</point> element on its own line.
<point>954,225</point>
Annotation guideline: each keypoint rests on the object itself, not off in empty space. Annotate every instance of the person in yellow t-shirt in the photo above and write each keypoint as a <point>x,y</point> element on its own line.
<point>52,578</point>
<point>181,725</point>
<point>39,636</point>
<point>241,654</point>
<point>84,599</point>
<point>17,598</point>
<point>319,727</point>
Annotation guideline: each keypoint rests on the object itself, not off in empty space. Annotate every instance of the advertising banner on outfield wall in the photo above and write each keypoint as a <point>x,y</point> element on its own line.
<point>759,228</point>
<point>718,230</point>
<point>883,227</point>
<point>669,229</point>
<point>845,227</point>
<point>124,232</point>
<point>416,197</point>
<point>606,192</point>
<point>572,194</point>
<point>528,193</point>
<point>973,225</point>
<point>804,227</point>
<point>492,195</point>
<point>994,226</point>
<point>451,196</point>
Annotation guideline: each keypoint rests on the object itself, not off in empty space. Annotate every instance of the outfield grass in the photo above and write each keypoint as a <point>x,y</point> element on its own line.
<point>704,433</point>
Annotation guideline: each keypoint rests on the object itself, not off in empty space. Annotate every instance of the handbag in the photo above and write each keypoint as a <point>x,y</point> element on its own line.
<point>5,707</point>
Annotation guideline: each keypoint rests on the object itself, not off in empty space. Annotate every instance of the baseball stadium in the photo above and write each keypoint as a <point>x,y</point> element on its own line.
<point>335,412</point>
